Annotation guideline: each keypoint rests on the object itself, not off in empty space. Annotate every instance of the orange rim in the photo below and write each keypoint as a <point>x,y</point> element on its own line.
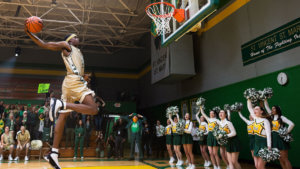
<point>160,16</point>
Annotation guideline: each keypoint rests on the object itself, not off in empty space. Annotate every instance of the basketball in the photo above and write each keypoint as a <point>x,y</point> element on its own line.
<point>34,24</point>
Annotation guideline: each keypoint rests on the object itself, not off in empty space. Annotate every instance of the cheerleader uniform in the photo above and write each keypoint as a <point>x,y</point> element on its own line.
<point>203,128</point>
<point>211,140</point>
<point>233,141</point>
<point>277,141</point>
<point>251,135</point>
<point>176,136</point>
<point>168,133</point>
<point>187,137</point>
<point>261,130</point>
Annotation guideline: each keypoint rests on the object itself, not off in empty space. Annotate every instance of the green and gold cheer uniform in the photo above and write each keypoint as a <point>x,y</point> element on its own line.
<point>277,141</point>
<point>211,140</point>
<point>168,133</point>
<point>233,141</point>
<point>176,136</point>
<point>187,137</point>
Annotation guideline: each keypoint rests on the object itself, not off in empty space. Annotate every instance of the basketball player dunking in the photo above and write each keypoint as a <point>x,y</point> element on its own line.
<point>74,88</point>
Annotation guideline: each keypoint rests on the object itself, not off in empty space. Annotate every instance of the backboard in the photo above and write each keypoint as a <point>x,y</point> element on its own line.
<point>195,12</point>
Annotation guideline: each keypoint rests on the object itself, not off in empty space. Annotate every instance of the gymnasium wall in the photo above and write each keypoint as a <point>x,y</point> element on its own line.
<point>218,59</point>
<point>125,60</point>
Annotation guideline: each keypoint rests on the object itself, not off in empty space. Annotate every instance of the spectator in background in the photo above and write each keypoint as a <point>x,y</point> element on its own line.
<point>24,108</point>
<point>88,130</point>
<point>41,126</point>
<point>6,111</point>
<point>70,129</point>
<point>34,122</point>
<point>2,124</point>
<point>120,132</point>
<point>47,127</point>
<point>160,141</point>
<point>10,122</point>
<point>136,127</point>
<point>7,143</point>
<point>196,138</point>
<point>100,145</point>
<point>14,110</point>
<point>146,140</point>
<point>24,120</point>
<point>110,146</point>
<point>79,138</point>
<point>23,142</point>
<point>1,108</point>
<point>98,118</point>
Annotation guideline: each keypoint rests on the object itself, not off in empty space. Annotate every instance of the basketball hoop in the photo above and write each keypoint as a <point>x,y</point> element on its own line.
<point>161,13</point>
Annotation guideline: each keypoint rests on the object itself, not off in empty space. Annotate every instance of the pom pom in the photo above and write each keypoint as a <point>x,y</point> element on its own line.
<point>220,135</point>
<point>173,110</point>
<point>162,130</point>
<point>236,107</point>
<point>268,92</point>
<point>200,101</point>
<point>226,107</point>
<point>283,133</point>
<point>251,94</point>
<point>180,127</point>
<point>200,134</point>
<point>269,155</point>
<point>216,109</point>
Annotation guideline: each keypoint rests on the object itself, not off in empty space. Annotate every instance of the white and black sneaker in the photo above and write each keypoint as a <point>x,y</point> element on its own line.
<point>55,106</point>
<point>52,158</point>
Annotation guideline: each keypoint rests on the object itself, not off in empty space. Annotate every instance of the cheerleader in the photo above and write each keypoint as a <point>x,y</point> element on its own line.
<point>251,135</point>
<point>187,141</point>
<point>278,120</point>
<point>168,133</point>
<point>202,142</point>
<point>262,131</point>
<point>176,139</point>
<point>211,140</point>
<point>232,147</point>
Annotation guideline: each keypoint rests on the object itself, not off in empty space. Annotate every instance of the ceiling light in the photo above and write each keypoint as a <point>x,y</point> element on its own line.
<point>17,51</point>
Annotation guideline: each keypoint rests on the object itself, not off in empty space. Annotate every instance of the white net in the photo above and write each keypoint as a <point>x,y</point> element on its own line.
<point>161,14</point>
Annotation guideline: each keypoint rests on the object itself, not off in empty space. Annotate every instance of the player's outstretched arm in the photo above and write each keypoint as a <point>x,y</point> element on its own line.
<point>55,46</point>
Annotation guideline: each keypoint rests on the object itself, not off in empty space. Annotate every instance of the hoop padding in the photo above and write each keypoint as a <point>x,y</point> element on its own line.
<point>161,13</point>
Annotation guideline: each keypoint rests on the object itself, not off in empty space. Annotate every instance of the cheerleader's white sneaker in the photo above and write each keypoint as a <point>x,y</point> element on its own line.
<point>171,160</point>
<point>208,164</point>
<point>192,166</point>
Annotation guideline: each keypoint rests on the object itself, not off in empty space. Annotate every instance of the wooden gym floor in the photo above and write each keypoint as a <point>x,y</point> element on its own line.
<point>94,163</point>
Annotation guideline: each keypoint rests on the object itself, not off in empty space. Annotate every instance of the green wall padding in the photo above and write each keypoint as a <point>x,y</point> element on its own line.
<point>287,97</point>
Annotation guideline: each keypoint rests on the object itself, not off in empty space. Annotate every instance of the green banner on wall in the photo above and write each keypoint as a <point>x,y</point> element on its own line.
<point>278,40</point>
